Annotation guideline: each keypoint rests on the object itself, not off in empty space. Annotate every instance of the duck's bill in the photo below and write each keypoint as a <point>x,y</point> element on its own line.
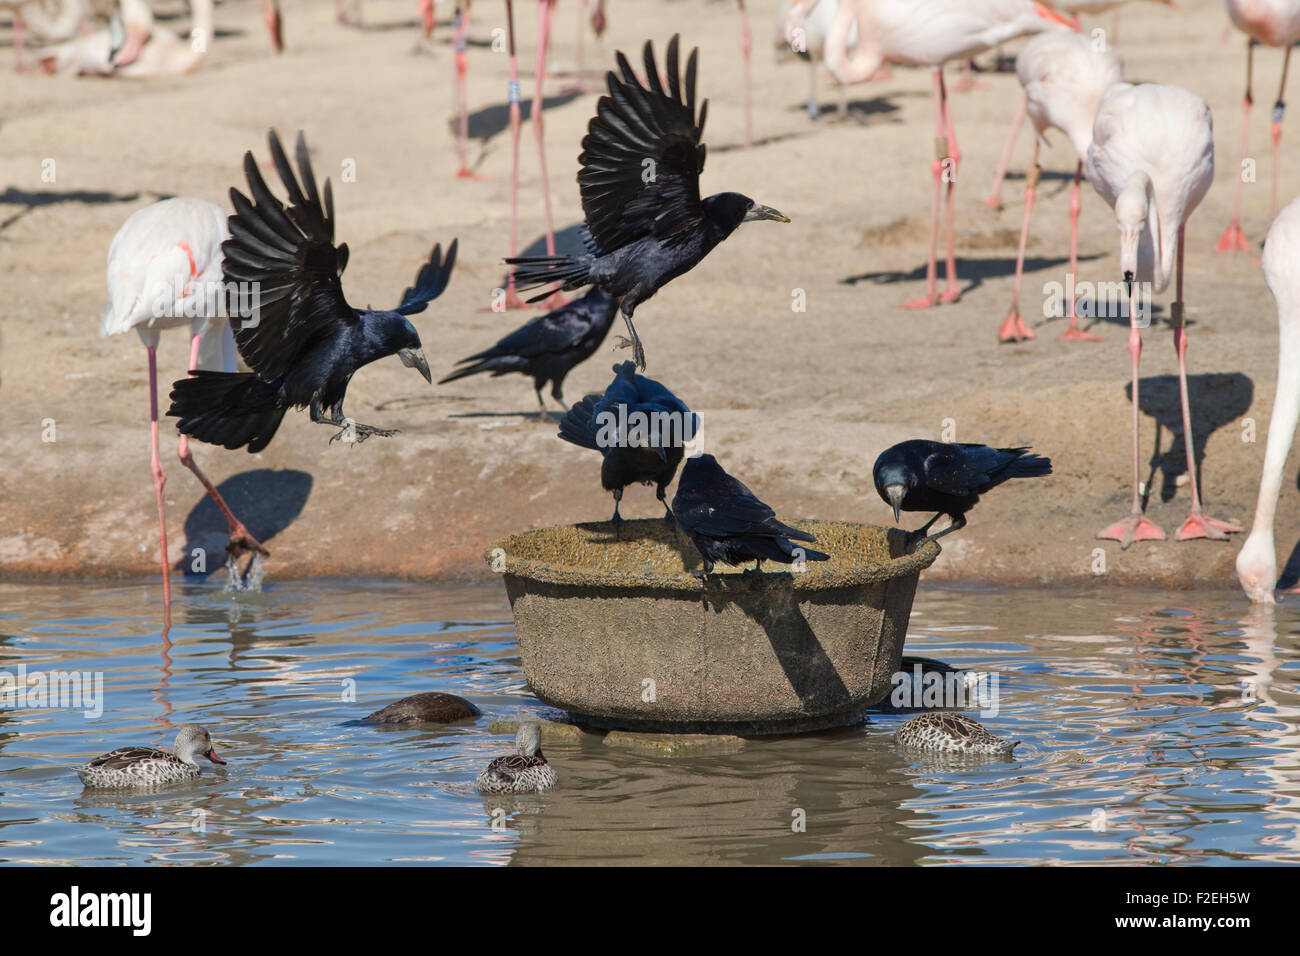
<point>212,755</point>
<point>765,212</point>
<point>414,358</point>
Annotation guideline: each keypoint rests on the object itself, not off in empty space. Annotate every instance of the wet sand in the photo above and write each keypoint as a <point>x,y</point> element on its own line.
<point>797,404</point>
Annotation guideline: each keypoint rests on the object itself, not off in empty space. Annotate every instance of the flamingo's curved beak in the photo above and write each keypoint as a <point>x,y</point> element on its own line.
<point>1047,13</point>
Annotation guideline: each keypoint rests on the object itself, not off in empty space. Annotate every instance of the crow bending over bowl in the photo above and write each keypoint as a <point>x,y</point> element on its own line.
<point>549,346</point>
<point>729,524</point>
<point>640,184</point>
<point>639,426</point>
<point>920,475</point>
<point>301,339</point>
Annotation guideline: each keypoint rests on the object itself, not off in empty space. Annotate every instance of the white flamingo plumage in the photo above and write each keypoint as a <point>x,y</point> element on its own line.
<point>164,272</point>
<point>926,33</point>
<point>1257,561</point>
<point>1273,23</point>
<point>36,17</point>
<point>1065,78</point>
<point>811,41</point>
<point>1152,160</point>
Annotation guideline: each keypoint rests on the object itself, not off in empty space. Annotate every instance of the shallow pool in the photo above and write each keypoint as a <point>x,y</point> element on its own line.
<point>1156,727</point>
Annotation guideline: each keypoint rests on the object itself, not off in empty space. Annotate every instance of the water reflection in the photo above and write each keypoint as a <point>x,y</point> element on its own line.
<point>1156,727</point>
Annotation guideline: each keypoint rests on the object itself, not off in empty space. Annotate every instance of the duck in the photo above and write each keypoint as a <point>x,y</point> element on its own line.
<point>428,708</point>
<point>149,766</point>
<point>524,771</point>
<point>948,733</point>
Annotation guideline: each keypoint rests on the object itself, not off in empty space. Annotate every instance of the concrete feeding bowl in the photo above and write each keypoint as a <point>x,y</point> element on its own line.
<point>616,631</point>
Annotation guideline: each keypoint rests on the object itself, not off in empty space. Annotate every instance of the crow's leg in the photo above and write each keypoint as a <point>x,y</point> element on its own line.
<point>1198,523</point>
<point>352,432</point>
<point>668,512</point>
<point>957,525</point>
<point>920,534</point>
<point>617,519</point>
<point>557,394</point>
<point>544,414</point>
<point>638,353</point>
<point>241,541</point>
<point>1233,240</point>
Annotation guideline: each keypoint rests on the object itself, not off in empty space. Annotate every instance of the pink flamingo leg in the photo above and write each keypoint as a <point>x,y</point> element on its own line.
<point>1198,524</point>
<point>1279,108</point>
<point>936,169</point>
<point>994,198</point>
<point>1013,328</point>
<point>241,541</point>
<point>545,16</point>
<point>426,18</point>
<point>271,13</point>
<point>1233,240</point>
<point>746,41</point>
<point>1074,333</point>
<point>460,38</point>
<point>512,299</point>
<point>159,478</point>
<point>1136,527</point>
<point>19,65</point>
<point>951,293</point>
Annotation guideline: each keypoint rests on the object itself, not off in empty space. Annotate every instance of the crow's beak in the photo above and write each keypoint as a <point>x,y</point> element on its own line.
<point>414,358</point>
<point>212,755</point>
<point>895,493</point>
<point>757,212</point>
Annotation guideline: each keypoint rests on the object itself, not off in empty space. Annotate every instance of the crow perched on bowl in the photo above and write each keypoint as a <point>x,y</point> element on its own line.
<point>549,346</point>
<point>640,184</point>
<point>639,426</point>
<point>729,524</point>
<point>921,475</point>
<point>300,337</point>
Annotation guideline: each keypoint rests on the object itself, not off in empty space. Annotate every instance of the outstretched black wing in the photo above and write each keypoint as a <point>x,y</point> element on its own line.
<point>430,281</point>
<point>290,256</point>
<point>642,156</point>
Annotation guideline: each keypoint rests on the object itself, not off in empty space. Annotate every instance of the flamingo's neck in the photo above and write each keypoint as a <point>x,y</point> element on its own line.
<point>865,61</point>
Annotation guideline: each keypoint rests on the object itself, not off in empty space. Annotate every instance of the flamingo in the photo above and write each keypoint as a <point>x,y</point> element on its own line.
<point>926,33</point>
<point>812,43</point>
<point>164,272</point>
<point>1274,23</point>
<point>35,15</point>
<point>1065,77</point>
<point>1152,160</point>
<point>1257,562</point>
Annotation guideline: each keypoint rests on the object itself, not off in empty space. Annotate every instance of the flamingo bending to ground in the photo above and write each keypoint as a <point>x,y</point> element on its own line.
<point>35,16</point>
<point>164,272</point>
<point>812,44</point>
<point>1257,562</point>
<point>927,33</point>
<point>1065,77</point>
<point>1152,160</point>
<point>1274,23</point>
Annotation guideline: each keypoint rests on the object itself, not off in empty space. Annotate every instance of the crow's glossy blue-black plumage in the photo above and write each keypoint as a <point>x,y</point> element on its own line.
<point>639,426</point>
<point>729,524</point>
<point>948,478</point>
<point>292,325</point>
<point>640,185</point>
<point>549,346</point>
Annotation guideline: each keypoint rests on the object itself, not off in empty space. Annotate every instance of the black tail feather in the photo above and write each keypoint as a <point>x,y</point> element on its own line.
<point>578,425</point>
<point>1028,466</point>
<point>533,271</point>
<point>496,364</point>
<point>232,410</point>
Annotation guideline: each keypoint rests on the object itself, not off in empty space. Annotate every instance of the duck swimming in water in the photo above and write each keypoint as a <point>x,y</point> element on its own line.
<point>149,766</point>
<point>431,707</point>
<point>948,733</point>
<point>524,771</point>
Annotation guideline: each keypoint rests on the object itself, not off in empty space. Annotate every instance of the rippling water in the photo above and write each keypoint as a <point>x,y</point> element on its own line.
<point>1156,727</point>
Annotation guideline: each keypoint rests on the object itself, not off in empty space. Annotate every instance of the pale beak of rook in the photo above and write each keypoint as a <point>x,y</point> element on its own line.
<point>414,358</point>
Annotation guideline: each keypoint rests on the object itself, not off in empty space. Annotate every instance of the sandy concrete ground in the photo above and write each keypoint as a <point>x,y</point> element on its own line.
<point>797,404</point>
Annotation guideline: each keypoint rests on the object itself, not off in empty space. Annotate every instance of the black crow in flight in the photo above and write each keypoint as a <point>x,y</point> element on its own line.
<point>921,475</point>
<point>300,337</point>
<point>640,184</point>
<point>549,346</point>
<point>639,426</point>
<point>729,524</point>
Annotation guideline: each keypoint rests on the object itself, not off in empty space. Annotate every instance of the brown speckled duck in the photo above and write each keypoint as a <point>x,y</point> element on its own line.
<point>427,708</point>
<point>952,734</point>
<point>149,766</point>
<point>524,771</point>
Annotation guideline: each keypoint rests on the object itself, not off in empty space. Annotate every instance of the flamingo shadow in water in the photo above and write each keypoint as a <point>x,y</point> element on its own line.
<point>1216,399</point>
<point>267,501</point>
